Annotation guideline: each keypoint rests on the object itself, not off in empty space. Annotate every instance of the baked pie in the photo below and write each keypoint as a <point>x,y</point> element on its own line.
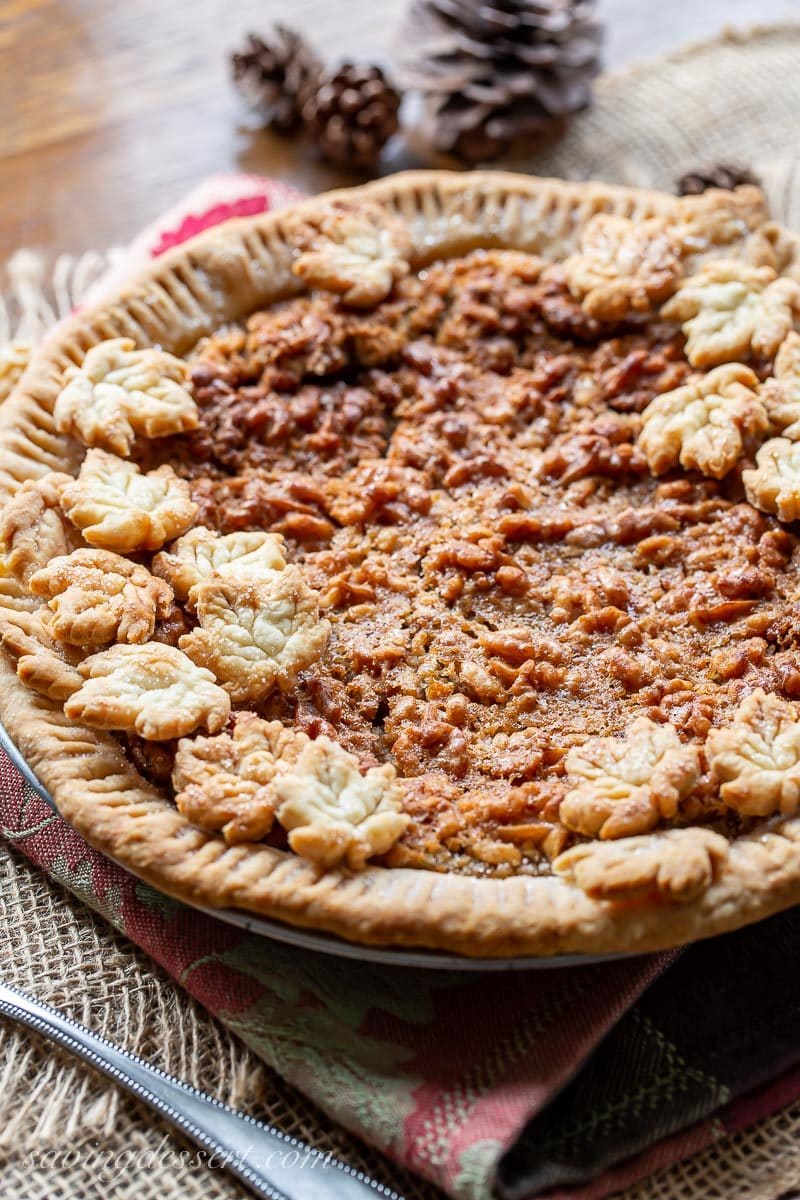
<point>420,564</point>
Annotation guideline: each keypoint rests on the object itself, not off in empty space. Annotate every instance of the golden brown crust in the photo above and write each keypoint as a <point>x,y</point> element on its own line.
<point>188,294</point>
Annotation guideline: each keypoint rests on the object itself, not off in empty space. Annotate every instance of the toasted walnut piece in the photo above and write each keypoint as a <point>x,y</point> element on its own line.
<point>706,425</point>
<point>116,507</point>
<point>227,782</point>
<point>193,557</point>
<point>153,690</point>
<point>335,813</point>
<point>120,391</point>
<point>623,266</point>
<point>677,865</point>
<point>729,309</point>
<point>630,783</point>
<point>359,253</point>
<point>773,485</point>
<point>781,392</point>
<point>42,665</point>
<point>14,357</point>
<point>98,597</point>
<point>757,758</point>
<point>32,529</point>
<point>255,634</point>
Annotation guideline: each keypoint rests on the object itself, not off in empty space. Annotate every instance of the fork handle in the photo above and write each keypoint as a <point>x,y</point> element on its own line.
<point>259,1155</point>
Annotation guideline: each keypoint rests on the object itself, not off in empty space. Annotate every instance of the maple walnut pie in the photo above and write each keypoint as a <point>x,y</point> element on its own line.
<point>420,564</point>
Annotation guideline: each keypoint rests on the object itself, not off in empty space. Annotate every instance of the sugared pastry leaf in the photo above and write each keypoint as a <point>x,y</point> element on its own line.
<point>117,507</point>
<point>359,254</point>
<point>773,485</point>
<point>227,782</point>
<point>336,813</point>
<point>32,528</point>
<point>119,391</point>
<point>757,758</point>
<point>729,310</point>
<point>256,634</point>
<point>153,690</point>
<point>42,664</point>
<point>781,392</point>
<point>677,865</point>
<point>193,557</point>
<point>706,425</point>
<point>623,266</point>
<point>96,597</point>
<point>630,783</point>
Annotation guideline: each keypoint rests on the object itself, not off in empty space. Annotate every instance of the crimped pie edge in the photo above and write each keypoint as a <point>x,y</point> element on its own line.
<point>186,294</point>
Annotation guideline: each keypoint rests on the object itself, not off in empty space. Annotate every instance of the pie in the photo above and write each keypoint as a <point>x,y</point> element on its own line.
<point>420,564</point>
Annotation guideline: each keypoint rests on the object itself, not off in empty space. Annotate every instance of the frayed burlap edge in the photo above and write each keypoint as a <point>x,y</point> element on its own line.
<point>64,1133</point>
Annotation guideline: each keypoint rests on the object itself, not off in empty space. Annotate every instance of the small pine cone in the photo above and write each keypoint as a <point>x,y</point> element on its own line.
<point>273,76</point>
<point>716,175</point>
<point>351,114</point>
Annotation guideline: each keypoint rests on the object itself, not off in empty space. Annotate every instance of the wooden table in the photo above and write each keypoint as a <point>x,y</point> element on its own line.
<point>110,110</point>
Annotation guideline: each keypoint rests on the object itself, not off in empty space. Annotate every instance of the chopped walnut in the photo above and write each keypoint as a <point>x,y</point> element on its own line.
<point>623,266</point>
<point>781,392</point>
<point>97,597</point>
<point>707,425</point>
<point>773,485</point>
<point>729,309</point>
<point>676,865</point>
<point>116,507</point>
<point>357,254</point>
<point>119,391</point>
<point>193,557</point>
<point>227,782</point>
<point>256,633</point>
<point>41,663</point>
<point>630,783</point>
<point>153,690</point>
<point>333,812</point>
<point>32,529</point>
<point>757,758</point>
<point>14,358</point>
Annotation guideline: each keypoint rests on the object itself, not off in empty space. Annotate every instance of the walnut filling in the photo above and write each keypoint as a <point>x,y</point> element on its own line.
<point>457,472</point>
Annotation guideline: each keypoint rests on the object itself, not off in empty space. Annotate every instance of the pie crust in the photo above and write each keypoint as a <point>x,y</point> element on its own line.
<point>687,882</point>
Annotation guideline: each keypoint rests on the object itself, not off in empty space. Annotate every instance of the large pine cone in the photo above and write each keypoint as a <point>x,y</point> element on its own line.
<point>274,76</point>
<point>351,114</point>
<point>500,71</point>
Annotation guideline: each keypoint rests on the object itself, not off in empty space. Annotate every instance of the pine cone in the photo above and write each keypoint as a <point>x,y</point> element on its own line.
<point>500,71</point>
<point>716,175</point>
<point>273,76</point>
<point>351,114</point>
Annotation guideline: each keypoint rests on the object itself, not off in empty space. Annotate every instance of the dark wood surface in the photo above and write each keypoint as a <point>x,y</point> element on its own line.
<point>111,109</point>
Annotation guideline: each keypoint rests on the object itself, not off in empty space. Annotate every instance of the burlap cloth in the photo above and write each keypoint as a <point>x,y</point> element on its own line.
<point>66,1135</point>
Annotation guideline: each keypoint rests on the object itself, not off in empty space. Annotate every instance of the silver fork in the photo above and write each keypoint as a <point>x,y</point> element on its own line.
<point>255,1153</point>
